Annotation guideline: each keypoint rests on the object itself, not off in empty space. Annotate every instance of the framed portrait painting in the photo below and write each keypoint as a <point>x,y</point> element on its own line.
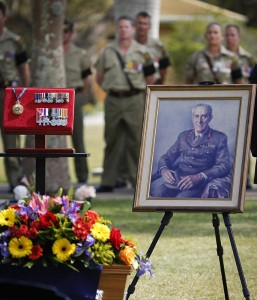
<point>195,148</point>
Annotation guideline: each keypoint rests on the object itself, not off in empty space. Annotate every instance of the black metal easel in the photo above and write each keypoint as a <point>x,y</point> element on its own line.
<point>216,223</point>
<point>228,225</point>
<point>164,222</point>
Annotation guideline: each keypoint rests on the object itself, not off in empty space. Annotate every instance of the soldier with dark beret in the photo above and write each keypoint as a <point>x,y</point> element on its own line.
<point>199,158</point>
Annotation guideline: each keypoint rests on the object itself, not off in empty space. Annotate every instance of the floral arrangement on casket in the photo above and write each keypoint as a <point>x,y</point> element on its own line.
<point>58,230</point>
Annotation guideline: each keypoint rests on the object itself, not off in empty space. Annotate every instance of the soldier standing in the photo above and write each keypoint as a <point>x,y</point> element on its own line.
<point>162,62</point>
<point>14,71</point>
<point>214,63</point>
<point>247,62</point>
<point>78,76</point>
<point>124,67</point>
<point>155,46</point>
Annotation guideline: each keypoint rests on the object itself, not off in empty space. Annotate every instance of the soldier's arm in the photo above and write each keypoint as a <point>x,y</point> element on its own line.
<point>150,79</point>
<point>99,78</point>
<point>24,72</point>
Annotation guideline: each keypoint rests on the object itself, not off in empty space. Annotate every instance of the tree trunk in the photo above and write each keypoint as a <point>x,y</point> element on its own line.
<point>132,7</point>
<point>47,68</point>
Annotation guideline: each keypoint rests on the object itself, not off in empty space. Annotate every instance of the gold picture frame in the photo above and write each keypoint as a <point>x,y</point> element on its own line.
<point>167,126</point>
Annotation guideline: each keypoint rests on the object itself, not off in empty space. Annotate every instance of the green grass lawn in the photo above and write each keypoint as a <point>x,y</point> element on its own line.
<point>185,261</point>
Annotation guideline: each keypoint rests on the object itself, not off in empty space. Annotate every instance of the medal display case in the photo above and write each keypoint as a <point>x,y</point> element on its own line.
<point>38,111</point>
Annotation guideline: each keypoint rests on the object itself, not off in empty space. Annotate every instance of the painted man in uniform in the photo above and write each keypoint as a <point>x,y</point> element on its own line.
<point>124,103</point>
<point>198,159</point>
<point>78,76</point>
<point>14,71</point>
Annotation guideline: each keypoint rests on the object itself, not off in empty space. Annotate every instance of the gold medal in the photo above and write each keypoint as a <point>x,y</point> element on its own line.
<point>17,108</point>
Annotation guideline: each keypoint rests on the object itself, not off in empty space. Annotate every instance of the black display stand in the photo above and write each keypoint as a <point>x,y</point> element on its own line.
<point>215,220</point>
<point>40,153</point>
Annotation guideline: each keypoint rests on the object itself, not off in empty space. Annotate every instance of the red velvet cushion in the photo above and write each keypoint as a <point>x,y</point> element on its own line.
<point>26,122</point>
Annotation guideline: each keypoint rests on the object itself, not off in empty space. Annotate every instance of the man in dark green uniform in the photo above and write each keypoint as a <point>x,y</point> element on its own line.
<point>14,71</point>
<point>124,67</point>
<point>78,76</point>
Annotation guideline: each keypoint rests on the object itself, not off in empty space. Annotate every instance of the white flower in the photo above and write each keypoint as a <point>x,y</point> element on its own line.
<point>20,192</point>
<point>85,192</point>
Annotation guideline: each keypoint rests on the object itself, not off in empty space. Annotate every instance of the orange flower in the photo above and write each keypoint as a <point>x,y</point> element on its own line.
<point>127,255</point>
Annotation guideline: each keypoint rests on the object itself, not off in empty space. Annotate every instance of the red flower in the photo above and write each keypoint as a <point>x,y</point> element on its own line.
<point>32,233</point>
<point>129,243</point>
<point>47,220</point>
<point>36,225</point>
<point>92,217</point>
<point>18,232</point>
<point>81,229</point>
<point>36,252</point>
<point>115,238</point>
<point>24,218</point>
<point>15,206</point>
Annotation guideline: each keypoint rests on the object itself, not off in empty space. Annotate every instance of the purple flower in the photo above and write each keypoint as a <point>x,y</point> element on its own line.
<point>90,240</point>
<point>4,249</point>
<point>28,211</point>
<point>69,209</point>
<point>145,266</point>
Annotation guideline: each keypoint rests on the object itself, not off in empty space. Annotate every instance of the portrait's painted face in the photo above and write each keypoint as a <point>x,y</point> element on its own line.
<point>201,119</point>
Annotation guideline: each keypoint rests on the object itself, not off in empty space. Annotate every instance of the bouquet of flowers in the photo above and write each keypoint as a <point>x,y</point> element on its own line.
<point>55,229</point>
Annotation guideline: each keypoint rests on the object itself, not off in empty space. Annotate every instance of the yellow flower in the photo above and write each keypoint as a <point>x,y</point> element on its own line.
<point>127,255</point>
<point>63,249</point>
<point>7,217</point>
<point>100,232</point>
<point>20,247</point>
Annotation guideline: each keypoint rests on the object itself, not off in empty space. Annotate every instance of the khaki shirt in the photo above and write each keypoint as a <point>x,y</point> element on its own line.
<point>12,53</point>
<point>226,66</point>
<point>77,66</point>
<point>159,53</point>
<point>247,63</point>
<point>136,59</point>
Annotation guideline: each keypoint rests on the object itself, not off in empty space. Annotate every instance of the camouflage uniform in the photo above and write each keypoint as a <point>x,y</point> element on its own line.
<point>247,63</point>
<point>225,66</point>
<point>78,67</point>
<point>124,106</point>
<point>12,54</point>
<point>159,54</point>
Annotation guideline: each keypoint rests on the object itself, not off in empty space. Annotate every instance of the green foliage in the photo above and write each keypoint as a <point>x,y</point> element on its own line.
<point>185,38</point>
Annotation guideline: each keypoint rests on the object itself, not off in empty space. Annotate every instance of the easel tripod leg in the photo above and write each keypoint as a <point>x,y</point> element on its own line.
<point>216,224</point>
<point>164,222</point>
<point>228,225</point>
